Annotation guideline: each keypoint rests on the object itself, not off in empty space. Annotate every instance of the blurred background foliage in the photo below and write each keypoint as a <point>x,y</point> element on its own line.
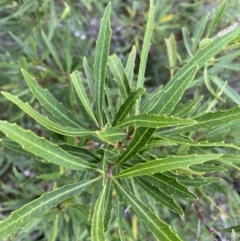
<point>49,38</point>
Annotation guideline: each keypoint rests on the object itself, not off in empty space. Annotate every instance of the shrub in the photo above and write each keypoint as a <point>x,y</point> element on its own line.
<point>126,150</point>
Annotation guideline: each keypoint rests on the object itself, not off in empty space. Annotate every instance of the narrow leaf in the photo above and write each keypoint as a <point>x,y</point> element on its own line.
<point>127,106</point>
<point>97,229</point>
<point>209,121</point>
<point>140,138</point>
<point>119,75</point>
<point>43,148</point>
<point>158,228</point>
<point>186,41</point>
<point>184,109</point>
<point>53,51</point>
<point>169,185</point>
<point>48,101</point>
<point>166,164</point>
<point>77,82</point>
<point>153,121</point>
<point>161,197</point>
<point>36,208</point>
<point>89,74</point>
<point>108,206</point>
<point>100,62</point>
<point>51,125</point>
<point>216,18</point>
<point>110,134</point>
<point>129,68</point>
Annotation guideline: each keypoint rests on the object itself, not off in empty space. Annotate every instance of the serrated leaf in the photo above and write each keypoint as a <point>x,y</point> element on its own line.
<point>160,197</point>
<point>100,62</point>
<point>129,68</point>
<point>153,121</point>
<point>83,153</point>
<point>140,138</point>
<point>110,134</point>
<point>158,228</point>
<point>97,229</point>
<point>43,148</point>
<point>48,101</point>
<point>216,18</point>
<point>179,139</point>
<point>36,208</point>
<point>127,106</point>
<point>51,125</point>
<point>195,181</point>
<point>208,121</point>
<point>169,185</point>
<point>87,108</point>
<point>206,168</point>
<point>119,214</point>
<point>119,76</point>
<point>183,109</point>
<point>166,164</point>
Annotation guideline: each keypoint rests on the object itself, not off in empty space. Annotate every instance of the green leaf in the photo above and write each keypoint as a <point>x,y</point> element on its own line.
<point>160,197</point>
<point>156,226</point>
<point>48,101</point>
<point>87,108</point>
<point>119,207</point>
<point>51,125</point>
<point>169,185</point>
<point>172,53</point>
<point>198,32</point>
<point>83,153</point>
<point>173,91</point>
<point>119,76</point>
<point>127,106</point>
<point>146,45</point>
<point>13,146</point>
<point>216,18</point>
<point>140,138</point>
<point>195,181</point>
<point>100,62</point>
<point>108,206</point>
<point>36,208</point>
<point>166,164</point>
<point>97,229</point>
<point>53,51</point>
<point>89,74</point>
<point>178,139</point>
<point>230,92</point>
<point>208,121</point>
<point>54,229</point>
<point>183,109</point>
<point>206,168</point>
<point>129,68</point>
<point>110,134</point>
<point>43,148</point>
<point>153,121</point>
<point>186,40</point>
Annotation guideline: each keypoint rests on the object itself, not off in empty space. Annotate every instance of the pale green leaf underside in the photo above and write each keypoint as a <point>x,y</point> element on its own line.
<point>51,125</point>
<point>48,101</point>
<point>158,228</point>
<point>110,134</point>
<point>119,75</point>
<point>153,121</point>
<point>100,62</point>
<point>127,106</point>
<point>129,68</point>
<point>166,164</point>
<point>40,147</point>
<point>77,82</point>
<point>37,207</point>
<point>209,121</point>
<point>97,229</point>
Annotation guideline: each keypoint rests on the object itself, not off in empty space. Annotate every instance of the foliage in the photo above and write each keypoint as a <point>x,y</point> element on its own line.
<point>121,149</point>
